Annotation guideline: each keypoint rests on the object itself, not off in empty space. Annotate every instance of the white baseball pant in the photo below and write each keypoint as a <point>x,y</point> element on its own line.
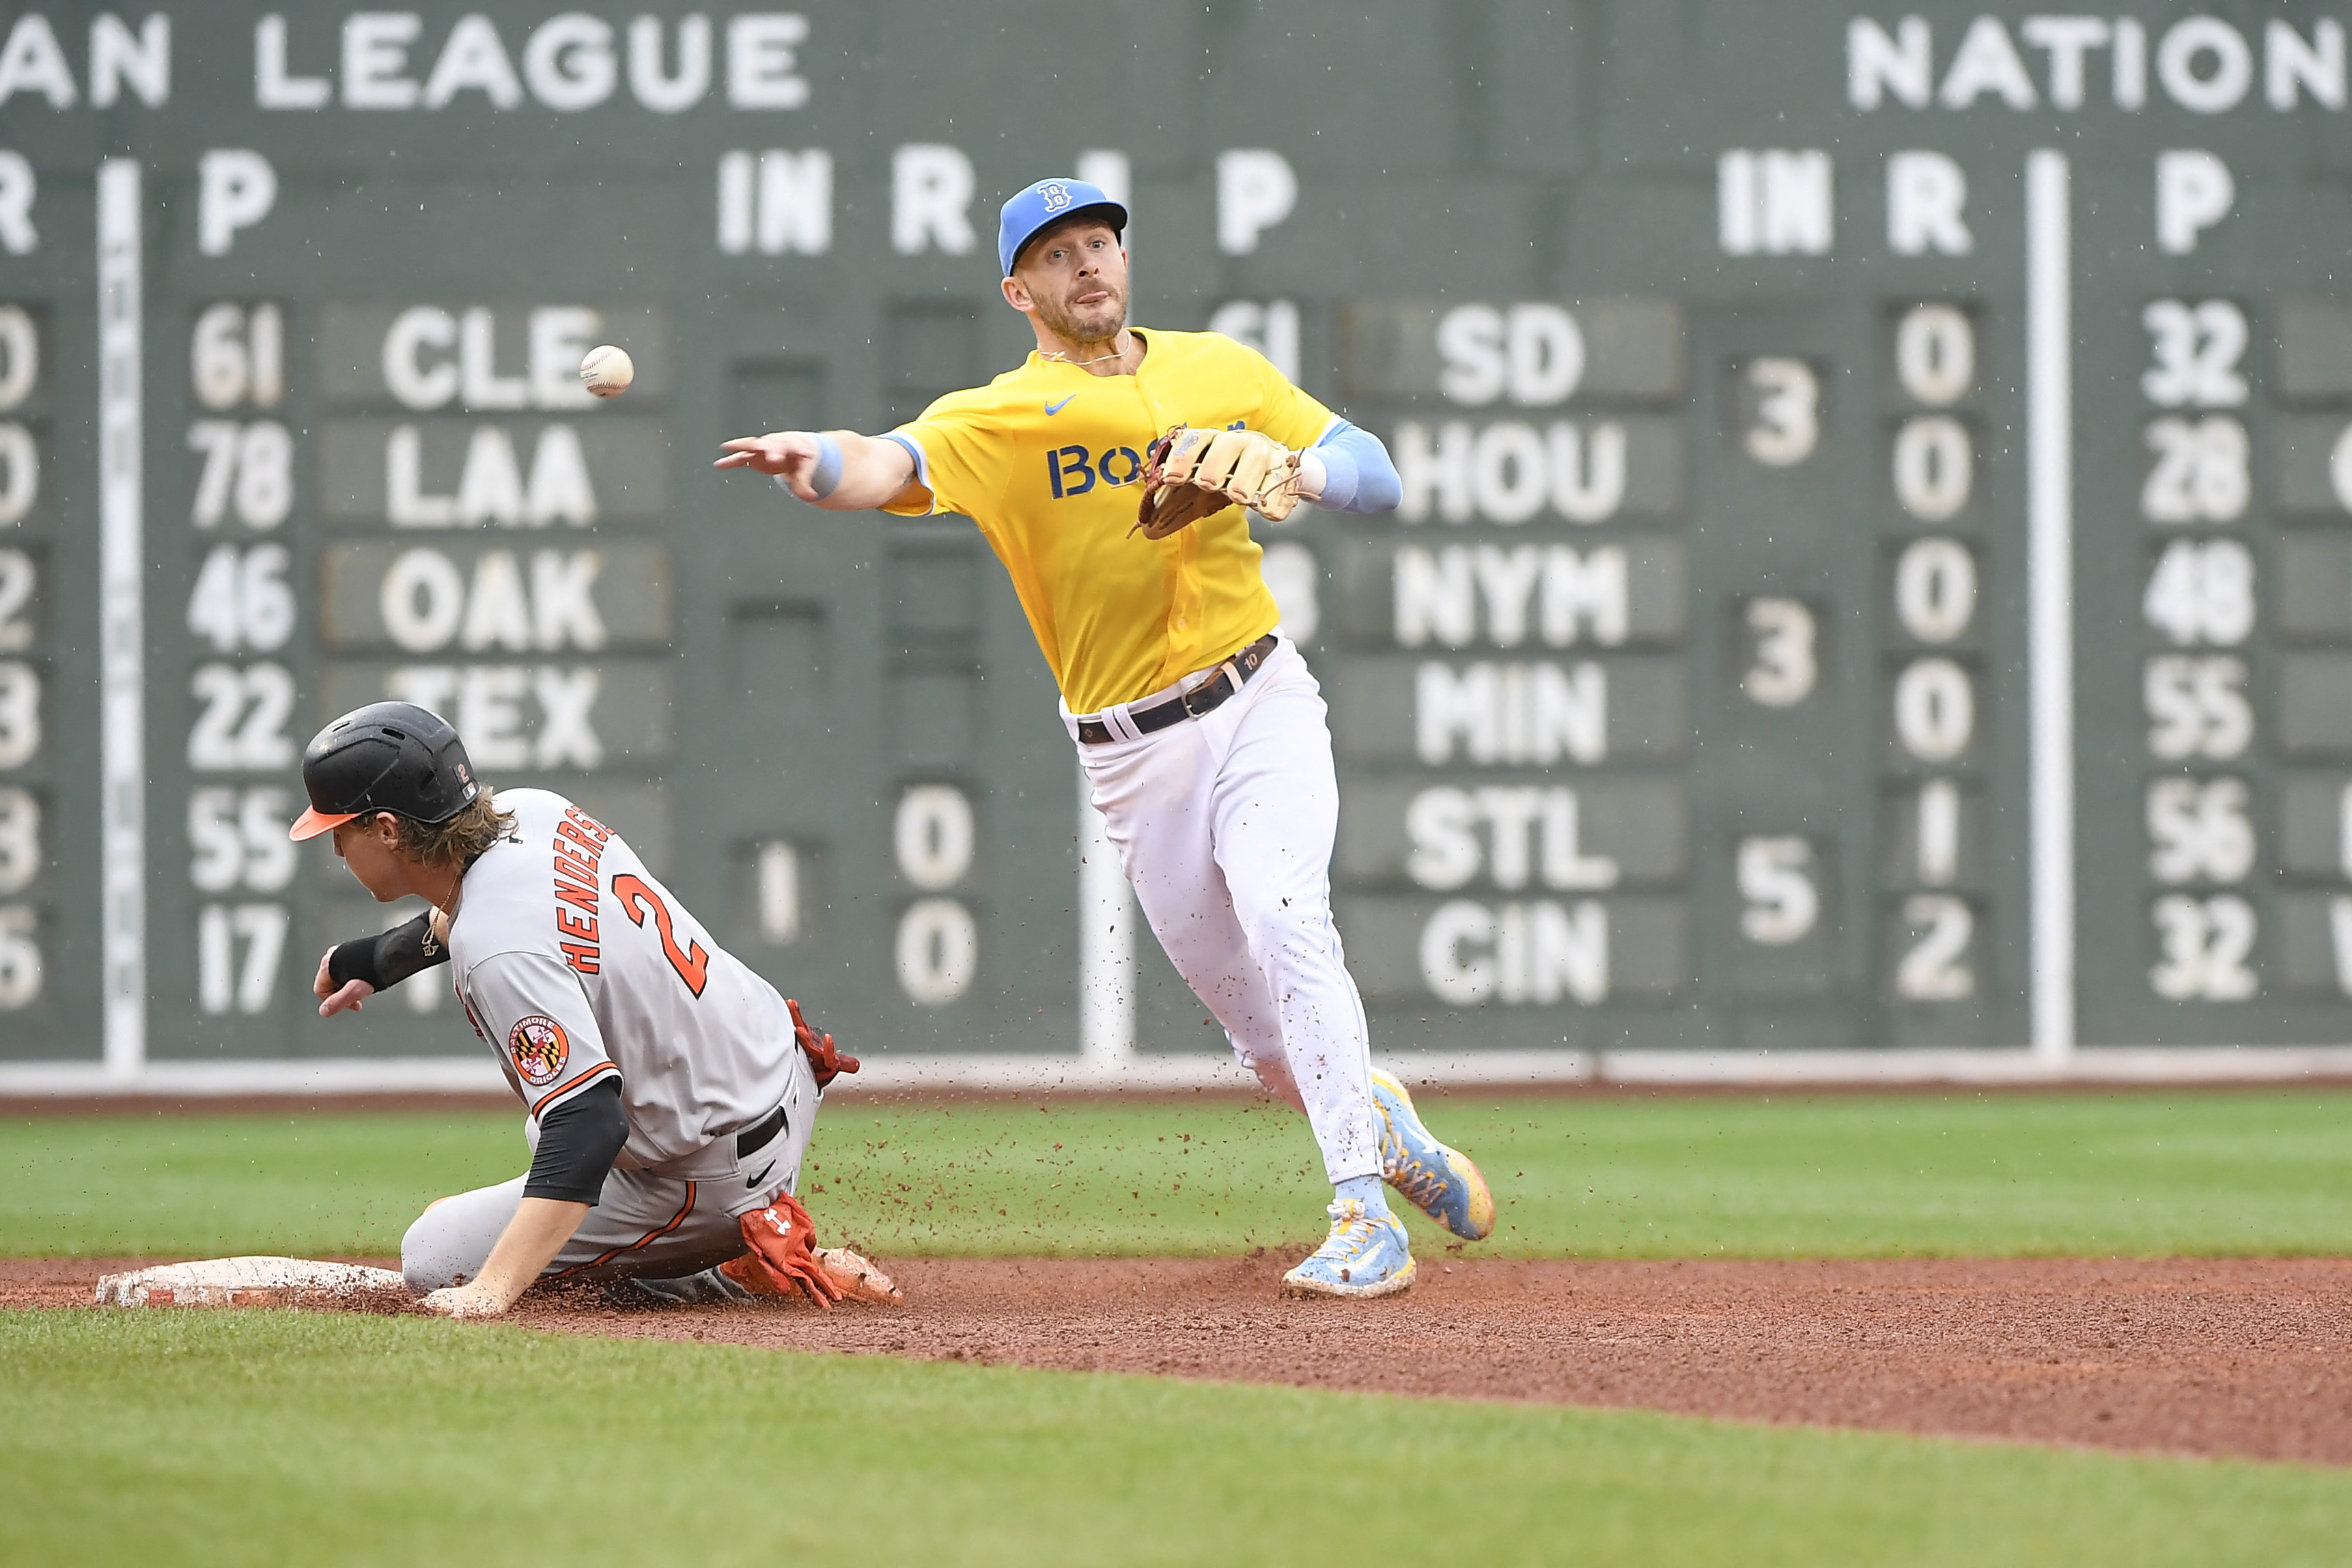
<point>1225,825</point>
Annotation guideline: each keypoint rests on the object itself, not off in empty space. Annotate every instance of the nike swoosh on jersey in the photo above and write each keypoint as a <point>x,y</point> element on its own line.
<point>1054,408</point>
<point>753,1183</point>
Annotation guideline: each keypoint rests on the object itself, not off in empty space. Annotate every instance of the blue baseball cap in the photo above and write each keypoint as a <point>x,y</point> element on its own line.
<point>1050,201</point>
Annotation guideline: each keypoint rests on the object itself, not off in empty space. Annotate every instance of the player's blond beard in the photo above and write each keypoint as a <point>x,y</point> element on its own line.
<point>1072,328</point>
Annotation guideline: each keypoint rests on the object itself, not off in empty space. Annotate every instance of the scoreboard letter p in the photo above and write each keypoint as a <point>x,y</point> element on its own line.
<point>2193,192</point>
<point>235,190</point>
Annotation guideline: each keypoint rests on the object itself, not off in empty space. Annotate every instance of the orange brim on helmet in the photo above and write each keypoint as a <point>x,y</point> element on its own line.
<point>313,822</point>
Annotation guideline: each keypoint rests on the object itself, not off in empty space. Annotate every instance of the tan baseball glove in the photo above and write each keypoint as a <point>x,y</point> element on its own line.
<point>1194,473</point>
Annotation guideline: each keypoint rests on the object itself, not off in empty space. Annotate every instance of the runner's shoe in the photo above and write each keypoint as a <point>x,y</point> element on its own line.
<point>1365,1255</point>
<point>1440,1182</point>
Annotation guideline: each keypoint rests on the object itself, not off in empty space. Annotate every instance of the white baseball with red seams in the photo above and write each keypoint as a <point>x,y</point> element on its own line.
<point>607,371</point>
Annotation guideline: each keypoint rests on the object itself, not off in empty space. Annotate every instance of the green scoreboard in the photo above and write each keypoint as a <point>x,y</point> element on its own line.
<point>1874,567</point>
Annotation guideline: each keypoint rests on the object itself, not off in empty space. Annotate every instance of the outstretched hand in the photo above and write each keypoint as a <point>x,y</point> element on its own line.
<point>334,999</point>
<point>788,455</point>
<point>463,1301</point>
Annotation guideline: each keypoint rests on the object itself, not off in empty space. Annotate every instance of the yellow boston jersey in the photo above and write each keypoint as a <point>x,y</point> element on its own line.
<point>1046,458</point>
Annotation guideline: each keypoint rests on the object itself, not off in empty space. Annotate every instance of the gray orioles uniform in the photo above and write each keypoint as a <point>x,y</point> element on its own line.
<point>574,964</point>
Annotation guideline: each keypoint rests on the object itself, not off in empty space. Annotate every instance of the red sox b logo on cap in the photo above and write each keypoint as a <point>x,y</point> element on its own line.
<point>539,1048</point>
<point>1056,195</point>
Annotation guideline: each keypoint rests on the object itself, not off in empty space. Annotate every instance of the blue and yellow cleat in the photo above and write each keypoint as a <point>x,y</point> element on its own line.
<point>1440,1182</point>
<point>1365,1255</point>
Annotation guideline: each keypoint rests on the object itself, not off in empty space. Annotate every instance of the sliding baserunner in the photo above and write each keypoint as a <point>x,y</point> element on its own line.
<point>1109,472</point>
<point>671,1093</point>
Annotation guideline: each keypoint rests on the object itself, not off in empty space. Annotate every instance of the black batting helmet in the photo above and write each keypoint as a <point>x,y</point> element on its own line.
<point>386,756</point>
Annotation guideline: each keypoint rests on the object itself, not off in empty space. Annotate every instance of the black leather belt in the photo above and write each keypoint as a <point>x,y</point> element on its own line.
<point>760,1134</point>
<point>1205,697</point>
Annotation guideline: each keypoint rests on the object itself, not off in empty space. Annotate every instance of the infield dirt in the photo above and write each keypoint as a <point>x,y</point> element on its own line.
<point>2247,1357</point>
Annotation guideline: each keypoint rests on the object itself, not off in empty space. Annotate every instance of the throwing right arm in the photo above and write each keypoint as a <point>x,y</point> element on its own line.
<point>839,470</point>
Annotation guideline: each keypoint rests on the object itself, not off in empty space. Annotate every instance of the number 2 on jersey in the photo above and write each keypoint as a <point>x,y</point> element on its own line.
<point>693,965</point>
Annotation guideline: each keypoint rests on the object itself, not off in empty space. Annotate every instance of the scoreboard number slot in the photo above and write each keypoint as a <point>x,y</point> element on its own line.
<point>1935,468</point>
<point>2200,471</point>
<point>20,356</point>
<point>2201,830</point>
<point>1780,885</point>
<point>1936,962</point>
<point>1936,589</point>
<point>237,950</point>
<point>2202,593</point>
<point>20,958</point>
<point>2197,707</point>
<point>242,599</point>
<point>237,355</point>
<point>2206,945</point>
<point>2196,351</point>
<point>238,839</point>
<point>20,474</point>
<point>247,468</point>
<point>1785,397</point>
<point>19,579</point>
<point>1783,663</point>
<point>1935,709</point>
<point>242,724</point>
<point>20,838</point>
<point>20,713</point>
<point>1935,354</point>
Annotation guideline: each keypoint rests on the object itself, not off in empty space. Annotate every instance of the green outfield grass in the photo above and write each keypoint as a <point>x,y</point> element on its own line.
<point>282,1438</point>
<point>2241,1171</point>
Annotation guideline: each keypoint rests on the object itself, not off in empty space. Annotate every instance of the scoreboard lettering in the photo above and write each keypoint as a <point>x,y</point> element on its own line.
<point>1874,568</point>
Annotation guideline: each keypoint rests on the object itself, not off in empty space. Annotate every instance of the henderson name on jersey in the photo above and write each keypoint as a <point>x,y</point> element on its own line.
<point>576,963</point>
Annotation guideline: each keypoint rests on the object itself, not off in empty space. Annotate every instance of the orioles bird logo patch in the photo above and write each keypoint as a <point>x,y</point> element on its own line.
<point>539,1048</point>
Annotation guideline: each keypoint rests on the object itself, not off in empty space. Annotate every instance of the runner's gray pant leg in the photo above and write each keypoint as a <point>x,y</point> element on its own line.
<point>643,1225</point>
<point>656,1225</point>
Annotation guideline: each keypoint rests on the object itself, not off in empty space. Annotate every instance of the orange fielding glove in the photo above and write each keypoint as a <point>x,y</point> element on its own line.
<point>782,1256</point>
<point>827,1061</point>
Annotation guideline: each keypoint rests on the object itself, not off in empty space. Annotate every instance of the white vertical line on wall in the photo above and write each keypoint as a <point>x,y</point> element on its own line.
<point>2049,595</point>
<point>1106,942</point>
<point>121,559</point>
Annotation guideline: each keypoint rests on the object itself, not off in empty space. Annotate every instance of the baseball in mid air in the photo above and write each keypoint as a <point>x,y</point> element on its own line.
<point>607,371</point>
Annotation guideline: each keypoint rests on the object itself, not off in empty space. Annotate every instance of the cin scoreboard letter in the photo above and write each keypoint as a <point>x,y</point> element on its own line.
<point>1874,566</point>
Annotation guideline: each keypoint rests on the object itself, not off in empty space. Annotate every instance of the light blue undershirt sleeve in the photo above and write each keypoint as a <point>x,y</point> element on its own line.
<point>922,464</point>
<point>1358,475</point>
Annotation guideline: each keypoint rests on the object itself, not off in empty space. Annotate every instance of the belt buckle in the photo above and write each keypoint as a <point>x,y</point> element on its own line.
<point>1209,689</point>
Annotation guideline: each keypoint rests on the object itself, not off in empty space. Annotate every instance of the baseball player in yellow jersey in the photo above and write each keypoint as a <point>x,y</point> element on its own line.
<point>1202,732</point>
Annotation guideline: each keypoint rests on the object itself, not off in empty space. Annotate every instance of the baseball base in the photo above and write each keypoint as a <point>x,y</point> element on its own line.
<point>257,1282</point>
<point>858,1278</point>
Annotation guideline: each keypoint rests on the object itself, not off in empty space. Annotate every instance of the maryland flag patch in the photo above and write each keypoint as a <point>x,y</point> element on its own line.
<point>539,1048</point>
